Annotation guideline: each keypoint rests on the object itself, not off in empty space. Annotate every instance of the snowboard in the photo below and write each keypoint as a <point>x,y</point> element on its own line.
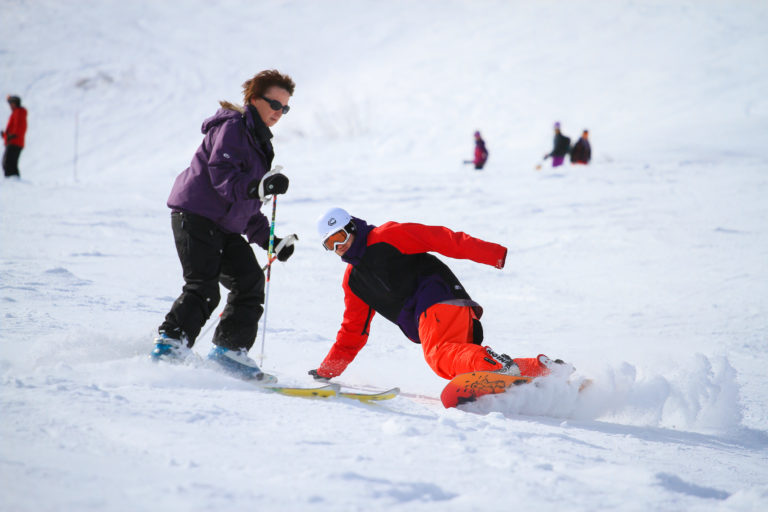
<point>468,387</point>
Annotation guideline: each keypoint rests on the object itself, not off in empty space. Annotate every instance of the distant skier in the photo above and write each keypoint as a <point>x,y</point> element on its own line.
<point>561,147</point>
<point>481,152</point>
<point>582,152</point>
<point>390,272</point>
<point>214,202</point>
<point>13,137</point>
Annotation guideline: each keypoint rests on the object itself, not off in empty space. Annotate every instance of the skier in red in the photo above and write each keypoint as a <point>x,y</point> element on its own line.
<point>390,272</point>
<point>481,152</point>
<point>13,137</point>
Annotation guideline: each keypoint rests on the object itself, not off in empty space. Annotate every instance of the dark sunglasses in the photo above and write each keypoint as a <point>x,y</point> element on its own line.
<point>276,105</point>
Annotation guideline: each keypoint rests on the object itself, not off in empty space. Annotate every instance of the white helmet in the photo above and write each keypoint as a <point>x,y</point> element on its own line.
<point>332,221</point>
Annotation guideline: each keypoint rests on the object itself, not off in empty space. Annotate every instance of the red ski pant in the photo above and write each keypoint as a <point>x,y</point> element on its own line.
<point>445,331</point>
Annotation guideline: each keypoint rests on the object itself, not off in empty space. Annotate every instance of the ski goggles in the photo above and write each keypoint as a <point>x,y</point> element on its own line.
<point>276,105</point>
<point>336,239</point>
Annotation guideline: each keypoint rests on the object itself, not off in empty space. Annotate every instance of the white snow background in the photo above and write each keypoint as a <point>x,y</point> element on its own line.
<point>647,269</point>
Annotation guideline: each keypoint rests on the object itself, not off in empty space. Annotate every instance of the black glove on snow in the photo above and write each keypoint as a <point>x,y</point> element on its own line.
<point>273,185</point>
<point>315,376</point>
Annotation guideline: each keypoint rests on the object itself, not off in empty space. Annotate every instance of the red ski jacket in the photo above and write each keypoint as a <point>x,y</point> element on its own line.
<point>16,128</point>
<point>397,278</point>
<point>481,153</point>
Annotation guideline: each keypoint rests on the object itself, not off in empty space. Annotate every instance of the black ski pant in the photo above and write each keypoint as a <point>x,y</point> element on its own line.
<point>11,160</point>
<point>210,256</point>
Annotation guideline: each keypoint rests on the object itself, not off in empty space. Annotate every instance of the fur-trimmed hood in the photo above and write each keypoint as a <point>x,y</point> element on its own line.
<point>225,113</point>
<point>231,106</point>
<point>256,127</point>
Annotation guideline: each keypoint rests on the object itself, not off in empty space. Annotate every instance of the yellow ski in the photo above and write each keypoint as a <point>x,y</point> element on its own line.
<point>371,397</point>
<point>332,390</point>
<point>321,392</point>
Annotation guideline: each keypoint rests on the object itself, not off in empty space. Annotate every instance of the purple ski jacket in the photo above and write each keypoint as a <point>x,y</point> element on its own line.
<point>235,151</point>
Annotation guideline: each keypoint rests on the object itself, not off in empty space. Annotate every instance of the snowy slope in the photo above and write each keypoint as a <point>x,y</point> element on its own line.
<point>646,269</point>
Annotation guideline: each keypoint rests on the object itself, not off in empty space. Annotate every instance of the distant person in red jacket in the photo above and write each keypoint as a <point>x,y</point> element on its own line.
<point>13,137</point>
<point>581,152</point>
<point>481,152</point>
<point>391,272</point>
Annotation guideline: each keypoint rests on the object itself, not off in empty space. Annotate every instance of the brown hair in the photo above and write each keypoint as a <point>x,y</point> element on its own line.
<point>258,85</point>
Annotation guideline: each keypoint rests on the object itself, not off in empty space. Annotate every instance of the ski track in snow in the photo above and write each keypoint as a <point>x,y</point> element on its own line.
<point>646,269</point>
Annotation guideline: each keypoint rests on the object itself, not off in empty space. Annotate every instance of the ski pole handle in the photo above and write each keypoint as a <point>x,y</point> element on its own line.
<point>285,242</point>
<point>265,198</point>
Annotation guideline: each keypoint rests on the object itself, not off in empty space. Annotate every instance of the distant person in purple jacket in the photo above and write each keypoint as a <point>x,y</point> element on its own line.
<point>582,152</point>
<point>561,147</point>
<point>215,202</point>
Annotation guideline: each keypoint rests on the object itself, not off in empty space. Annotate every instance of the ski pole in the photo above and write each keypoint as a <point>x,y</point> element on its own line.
<point>270,252</point>
<point>210,326</point>
<point>74,159</point>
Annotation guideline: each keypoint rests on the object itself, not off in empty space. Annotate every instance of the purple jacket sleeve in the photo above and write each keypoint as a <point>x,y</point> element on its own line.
<point>257,230</point>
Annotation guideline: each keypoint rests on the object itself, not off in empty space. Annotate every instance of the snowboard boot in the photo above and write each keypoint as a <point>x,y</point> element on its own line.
<point>541,365</point>
<point>170,349</point>
<point>508,365</point>
<point>238,364</point>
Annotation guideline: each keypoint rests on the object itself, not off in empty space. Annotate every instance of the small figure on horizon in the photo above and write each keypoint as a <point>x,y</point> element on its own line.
<point>581,152</point>
<point>481,152</point>
<point>13,137</point>
<point>561,147</point>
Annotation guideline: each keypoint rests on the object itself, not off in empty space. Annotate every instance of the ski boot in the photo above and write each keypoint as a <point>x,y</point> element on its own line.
<point>170,349</point>
<point>238,364</point>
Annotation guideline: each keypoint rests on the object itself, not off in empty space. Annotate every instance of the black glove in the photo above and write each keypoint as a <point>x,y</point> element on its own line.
<point>272,185</point>
<point>276,184</point>
<point>315,376</point>
<point>286,251</point>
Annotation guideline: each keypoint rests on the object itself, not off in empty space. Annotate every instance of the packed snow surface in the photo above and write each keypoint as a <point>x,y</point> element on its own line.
<point>647,269</point>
